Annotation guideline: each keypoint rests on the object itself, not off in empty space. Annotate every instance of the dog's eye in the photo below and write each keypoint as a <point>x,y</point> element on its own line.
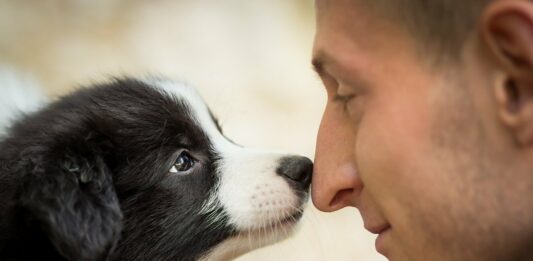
<point>183,163</point>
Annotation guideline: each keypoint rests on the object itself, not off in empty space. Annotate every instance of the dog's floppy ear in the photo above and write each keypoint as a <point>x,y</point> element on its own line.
<point>72,200</point>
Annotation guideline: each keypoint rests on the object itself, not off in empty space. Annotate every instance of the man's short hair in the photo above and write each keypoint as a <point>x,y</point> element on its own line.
<point>441,26</point>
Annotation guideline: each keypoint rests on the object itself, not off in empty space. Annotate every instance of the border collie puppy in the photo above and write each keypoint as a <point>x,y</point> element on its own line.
<point>139,170</point>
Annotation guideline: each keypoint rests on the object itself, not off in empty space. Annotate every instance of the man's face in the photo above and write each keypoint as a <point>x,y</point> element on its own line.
<point>410,146</point>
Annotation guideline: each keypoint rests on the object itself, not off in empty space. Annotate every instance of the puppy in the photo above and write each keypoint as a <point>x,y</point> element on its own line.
<point>140,170</point>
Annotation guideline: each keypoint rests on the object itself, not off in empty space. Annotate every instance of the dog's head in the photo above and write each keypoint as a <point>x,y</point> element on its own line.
<point>140,170</point>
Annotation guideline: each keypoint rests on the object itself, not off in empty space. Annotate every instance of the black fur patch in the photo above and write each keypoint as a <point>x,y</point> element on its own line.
<point>87,179</point>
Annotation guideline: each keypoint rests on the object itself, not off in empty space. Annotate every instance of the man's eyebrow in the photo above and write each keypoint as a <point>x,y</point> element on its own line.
<point>322,59</point>
<point>318,61</point>
<point>318,65</point>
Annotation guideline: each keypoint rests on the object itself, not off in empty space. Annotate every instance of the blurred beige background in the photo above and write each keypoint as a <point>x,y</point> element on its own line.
<point>249,59</point>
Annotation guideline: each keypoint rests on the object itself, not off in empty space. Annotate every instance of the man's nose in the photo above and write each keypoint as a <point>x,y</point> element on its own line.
<point>335,187</point>
<point>336,183</point>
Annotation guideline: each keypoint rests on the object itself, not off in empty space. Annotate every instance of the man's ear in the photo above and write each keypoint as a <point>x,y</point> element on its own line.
<point>71,198</point>
<point>507,29</point>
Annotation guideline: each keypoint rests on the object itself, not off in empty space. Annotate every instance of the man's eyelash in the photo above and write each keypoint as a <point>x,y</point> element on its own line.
<point>343,100</point>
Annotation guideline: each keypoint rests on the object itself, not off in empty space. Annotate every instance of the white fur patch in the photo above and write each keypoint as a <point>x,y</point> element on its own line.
<point>252,194</point>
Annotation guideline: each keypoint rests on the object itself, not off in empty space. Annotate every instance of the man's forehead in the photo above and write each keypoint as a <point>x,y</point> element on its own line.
<point>336,18</point>
<point>351,15</point>
<point>321,4</point>
<point>344,28</point>
<point>326,9</point>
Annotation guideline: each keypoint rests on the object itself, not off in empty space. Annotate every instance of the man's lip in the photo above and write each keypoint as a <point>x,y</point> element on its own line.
<point>377,229</point>
<point>380,241</point>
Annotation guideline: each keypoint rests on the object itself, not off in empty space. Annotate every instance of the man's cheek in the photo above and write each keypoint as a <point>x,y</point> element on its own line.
<point>390,148</point>
<point>375,157</point>
<point>380,143</point>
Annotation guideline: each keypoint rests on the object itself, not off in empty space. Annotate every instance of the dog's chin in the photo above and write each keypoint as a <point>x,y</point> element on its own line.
<point>277,229</point>
<point>246,240</point>
<point>281,226</point>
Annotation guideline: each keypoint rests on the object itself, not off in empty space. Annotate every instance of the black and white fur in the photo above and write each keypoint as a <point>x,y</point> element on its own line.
<point>139,170</point>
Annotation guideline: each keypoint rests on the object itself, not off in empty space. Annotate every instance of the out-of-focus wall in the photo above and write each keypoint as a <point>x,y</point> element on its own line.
<point>249,59</point>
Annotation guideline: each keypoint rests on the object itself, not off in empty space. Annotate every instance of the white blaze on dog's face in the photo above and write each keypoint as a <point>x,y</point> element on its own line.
<point>262,194</point>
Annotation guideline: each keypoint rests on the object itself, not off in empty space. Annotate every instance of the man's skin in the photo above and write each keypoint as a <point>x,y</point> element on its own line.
<point>437,157</point>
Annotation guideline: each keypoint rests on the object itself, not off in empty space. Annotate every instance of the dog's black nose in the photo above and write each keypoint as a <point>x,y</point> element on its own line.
<point>297,169</point>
